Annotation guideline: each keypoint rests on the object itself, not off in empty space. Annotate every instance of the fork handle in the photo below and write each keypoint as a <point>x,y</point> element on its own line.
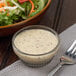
<point>55,70</point>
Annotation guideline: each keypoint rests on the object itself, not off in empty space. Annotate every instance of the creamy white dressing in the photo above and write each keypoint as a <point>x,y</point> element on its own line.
<point>10,8</point>
<point>36,41</point>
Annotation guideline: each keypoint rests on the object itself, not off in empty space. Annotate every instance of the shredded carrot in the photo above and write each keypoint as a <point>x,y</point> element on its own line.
<point>7,14</point>
<point>2,5</point>
<point>32,9</point>
<point>8,3</point>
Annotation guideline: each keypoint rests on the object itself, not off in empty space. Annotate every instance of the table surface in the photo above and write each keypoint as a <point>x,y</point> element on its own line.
<point>60,15</point>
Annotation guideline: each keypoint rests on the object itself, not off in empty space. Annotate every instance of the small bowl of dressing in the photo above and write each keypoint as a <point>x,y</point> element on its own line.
<point>36,45</point>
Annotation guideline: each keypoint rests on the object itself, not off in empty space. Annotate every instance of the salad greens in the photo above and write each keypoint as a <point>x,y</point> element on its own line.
<point>12,11</point>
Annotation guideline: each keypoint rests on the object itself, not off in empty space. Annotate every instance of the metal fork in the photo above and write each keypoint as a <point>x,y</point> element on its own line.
<point>68,58</point>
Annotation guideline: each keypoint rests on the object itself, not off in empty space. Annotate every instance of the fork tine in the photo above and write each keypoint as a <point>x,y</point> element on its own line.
<point>74,56</point>
<point>71,48</point>
<point>73,52</point>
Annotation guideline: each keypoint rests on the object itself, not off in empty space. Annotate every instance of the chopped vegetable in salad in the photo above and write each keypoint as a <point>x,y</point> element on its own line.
<point>12,11</point>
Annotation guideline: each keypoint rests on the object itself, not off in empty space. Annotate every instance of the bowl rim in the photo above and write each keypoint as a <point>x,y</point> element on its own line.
<point>24,21</point>
<point>42,27</point>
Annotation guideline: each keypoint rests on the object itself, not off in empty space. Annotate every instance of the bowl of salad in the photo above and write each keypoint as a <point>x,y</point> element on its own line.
<point>15,14</point>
